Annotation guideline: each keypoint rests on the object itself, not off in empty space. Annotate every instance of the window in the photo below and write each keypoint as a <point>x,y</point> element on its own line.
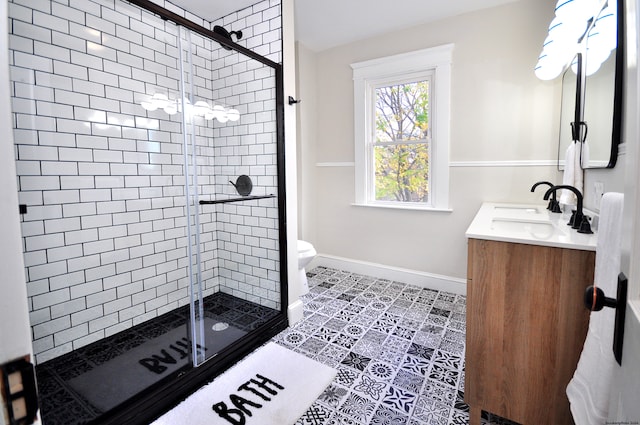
<point>402,130</point>
<point>401,141</point>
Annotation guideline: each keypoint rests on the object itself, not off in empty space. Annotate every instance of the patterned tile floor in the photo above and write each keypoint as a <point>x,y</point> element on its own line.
<point>398,349</point>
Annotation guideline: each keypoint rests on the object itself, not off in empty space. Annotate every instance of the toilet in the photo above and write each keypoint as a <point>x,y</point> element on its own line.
<point>306,252</point>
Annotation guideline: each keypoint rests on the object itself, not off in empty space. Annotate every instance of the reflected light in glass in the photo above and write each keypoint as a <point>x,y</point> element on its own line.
<point>201,108</point>
<point>187,106</point>
<point>149,106</point>
<point>222,117</point>
<point>233,115</point>
<point>171,108</point>
<point>160,99</point>
<point>218,110</point>
<point>209,115</point>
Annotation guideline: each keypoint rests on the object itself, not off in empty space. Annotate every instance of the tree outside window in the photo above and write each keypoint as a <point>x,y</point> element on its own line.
<point>401,145</point>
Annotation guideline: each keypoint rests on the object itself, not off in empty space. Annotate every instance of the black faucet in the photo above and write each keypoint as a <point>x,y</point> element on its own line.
<point>578,219</point>
<point>554,205</point>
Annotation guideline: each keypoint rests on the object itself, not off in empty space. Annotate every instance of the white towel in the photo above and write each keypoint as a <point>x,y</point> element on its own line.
<point>588,391</point>
<point>573,175</point>
<point>567,197</point>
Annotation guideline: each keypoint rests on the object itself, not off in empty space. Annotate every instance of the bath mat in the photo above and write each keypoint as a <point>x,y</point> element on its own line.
<point>126,375</point>
<point>272,386</point>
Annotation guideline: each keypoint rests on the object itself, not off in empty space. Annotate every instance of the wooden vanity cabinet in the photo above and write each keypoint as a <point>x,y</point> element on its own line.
<point>526,325</point>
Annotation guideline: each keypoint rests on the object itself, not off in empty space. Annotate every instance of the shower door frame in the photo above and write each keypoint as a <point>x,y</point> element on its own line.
<point>153,402</point>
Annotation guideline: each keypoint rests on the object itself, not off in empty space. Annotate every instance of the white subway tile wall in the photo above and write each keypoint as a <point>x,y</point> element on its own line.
<point>105,236</point>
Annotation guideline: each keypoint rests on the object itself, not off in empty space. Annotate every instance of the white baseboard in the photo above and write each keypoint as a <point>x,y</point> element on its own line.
<point>412,277</point>
<point>295,312</point>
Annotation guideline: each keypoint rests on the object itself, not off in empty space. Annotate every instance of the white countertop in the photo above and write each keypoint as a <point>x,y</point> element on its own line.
<point>529,224</point>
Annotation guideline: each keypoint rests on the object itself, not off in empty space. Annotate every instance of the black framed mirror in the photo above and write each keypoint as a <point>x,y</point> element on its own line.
<point>595,99</point>
<point>567,111</point>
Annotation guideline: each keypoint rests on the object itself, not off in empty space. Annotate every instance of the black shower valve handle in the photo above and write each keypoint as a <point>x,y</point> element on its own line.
<point>243,185</point>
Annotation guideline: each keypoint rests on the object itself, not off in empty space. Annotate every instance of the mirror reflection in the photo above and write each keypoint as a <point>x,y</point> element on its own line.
<point>601,100</point>
<point>598,113</point>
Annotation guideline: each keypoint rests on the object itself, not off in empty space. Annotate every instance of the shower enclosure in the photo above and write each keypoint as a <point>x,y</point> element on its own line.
<point>150,161</point>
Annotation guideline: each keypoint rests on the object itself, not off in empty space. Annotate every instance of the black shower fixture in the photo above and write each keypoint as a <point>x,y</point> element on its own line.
<point>226,34</point>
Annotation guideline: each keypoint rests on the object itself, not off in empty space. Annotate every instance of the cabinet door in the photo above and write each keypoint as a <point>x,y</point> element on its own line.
<point>525,328</point>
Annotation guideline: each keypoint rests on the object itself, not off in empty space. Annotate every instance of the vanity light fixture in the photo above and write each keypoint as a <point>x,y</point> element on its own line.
<point>200,108</point>
<point>588,26</point>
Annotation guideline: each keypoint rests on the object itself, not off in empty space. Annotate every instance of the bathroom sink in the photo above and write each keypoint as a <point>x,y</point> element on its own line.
<point>516,209</point>
<point>537,228</point>
<point>527,223</point>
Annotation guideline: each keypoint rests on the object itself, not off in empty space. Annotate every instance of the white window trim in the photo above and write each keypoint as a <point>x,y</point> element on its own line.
<point>365,74</point>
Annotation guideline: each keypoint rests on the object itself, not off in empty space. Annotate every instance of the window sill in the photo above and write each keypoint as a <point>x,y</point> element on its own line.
<point>403,207</point>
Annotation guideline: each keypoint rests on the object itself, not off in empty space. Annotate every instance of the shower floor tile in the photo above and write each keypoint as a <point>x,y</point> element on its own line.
<point>398,349</point>
<point>62,404</point>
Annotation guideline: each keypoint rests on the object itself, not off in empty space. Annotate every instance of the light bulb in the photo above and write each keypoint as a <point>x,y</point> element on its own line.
<point>560,50</point>
<point>597,49</point>
<point>569,30</point>
<point>579,10</point>
<point>565,9</point>
<point>606,20</point>
<point>592,66</point>
<point>607,26</point>
<point>547,69</point>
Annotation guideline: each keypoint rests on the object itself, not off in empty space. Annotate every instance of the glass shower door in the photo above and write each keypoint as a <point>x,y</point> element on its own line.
<point>232,179</point>
<point>191,127</point>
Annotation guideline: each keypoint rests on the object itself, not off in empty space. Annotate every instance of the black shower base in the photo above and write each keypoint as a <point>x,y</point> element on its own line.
<point>62,404</point>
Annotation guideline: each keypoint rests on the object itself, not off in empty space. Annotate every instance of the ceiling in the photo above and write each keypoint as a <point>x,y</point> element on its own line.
<point>323,24</point>
<point>210,10</point>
